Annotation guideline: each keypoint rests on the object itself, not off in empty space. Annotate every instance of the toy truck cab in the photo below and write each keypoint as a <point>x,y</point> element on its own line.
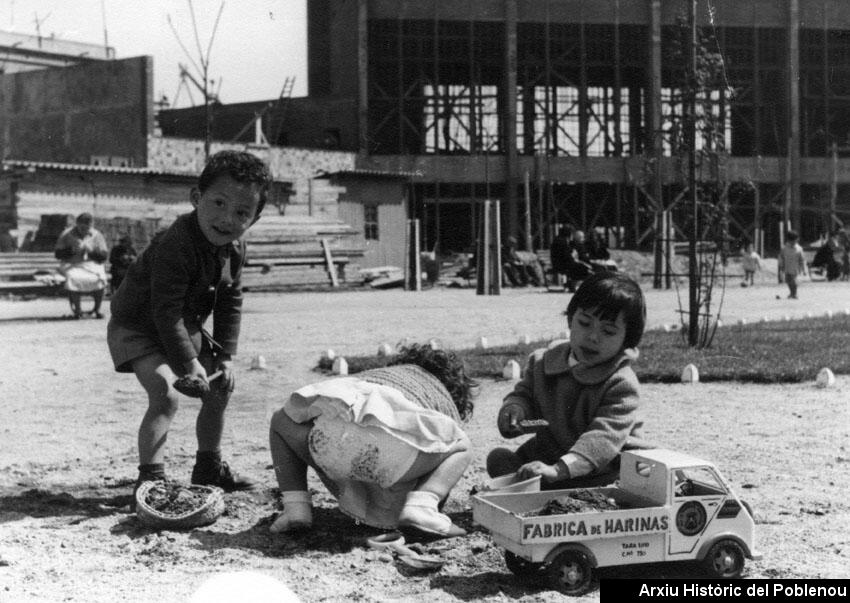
<point>666,506</point>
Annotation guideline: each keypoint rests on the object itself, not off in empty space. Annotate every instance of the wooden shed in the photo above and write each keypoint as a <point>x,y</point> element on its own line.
<point>375,204</point>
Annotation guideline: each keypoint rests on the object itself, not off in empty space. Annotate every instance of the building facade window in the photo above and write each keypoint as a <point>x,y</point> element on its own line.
<point>370,222</point>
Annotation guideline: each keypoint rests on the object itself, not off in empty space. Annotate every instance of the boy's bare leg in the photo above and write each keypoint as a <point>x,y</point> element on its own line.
<point>156,377</point>
<point>210,469</point>
<point>209,425</point>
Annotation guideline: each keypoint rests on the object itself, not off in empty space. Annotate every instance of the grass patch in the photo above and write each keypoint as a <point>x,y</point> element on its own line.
<point>769,352</point>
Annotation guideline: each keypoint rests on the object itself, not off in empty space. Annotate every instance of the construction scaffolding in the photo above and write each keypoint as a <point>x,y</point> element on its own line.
<point>582,99</point>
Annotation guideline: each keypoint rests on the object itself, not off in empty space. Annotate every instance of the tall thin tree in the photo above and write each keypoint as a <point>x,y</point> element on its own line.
<point>202,67</point>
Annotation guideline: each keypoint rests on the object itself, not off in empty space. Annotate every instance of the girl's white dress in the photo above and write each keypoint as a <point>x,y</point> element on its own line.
<point>364,438</point>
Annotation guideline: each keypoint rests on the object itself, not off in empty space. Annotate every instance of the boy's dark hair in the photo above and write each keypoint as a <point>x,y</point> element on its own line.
<point>447,368</point>
<point>791,235</point>
<point>609,293</point>
<point>242,167</point>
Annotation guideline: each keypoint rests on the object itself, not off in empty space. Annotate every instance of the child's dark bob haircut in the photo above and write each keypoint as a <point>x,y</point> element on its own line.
<point>243,167</point>
<point>607,294</point>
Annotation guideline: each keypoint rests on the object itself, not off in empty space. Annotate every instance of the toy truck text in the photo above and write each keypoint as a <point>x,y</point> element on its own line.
<point>670,507</point>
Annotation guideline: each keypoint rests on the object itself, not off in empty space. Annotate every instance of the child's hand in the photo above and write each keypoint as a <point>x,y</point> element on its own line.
<point>195,369</point>
<point>508,421</point>
<point>549,473</point>
<point>228,379</point>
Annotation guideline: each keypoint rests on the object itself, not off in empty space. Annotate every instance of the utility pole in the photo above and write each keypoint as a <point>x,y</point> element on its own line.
<point>693,268</point>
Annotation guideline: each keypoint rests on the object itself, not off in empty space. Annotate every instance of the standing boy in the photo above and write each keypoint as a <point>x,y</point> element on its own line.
<point>187,273</point>
<point>792,262</point>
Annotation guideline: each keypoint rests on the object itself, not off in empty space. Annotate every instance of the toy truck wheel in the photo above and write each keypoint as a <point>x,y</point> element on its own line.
<point>520,567</point>
<point>571,572</point>
<point>725,559</point>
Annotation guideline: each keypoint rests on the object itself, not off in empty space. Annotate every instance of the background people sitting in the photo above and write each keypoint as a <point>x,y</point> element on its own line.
<point>82,250</point>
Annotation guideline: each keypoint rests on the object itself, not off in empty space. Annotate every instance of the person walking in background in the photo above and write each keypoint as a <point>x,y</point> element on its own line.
<point>120,258</point>
<point>751,263</point>
<point>792,262</point>
<point>189,273</point>
<point>82,251</point>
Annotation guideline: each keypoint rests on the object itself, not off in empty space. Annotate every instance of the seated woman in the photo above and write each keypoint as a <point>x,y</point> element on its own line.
<point>83,251</point>
<point>386,442</point>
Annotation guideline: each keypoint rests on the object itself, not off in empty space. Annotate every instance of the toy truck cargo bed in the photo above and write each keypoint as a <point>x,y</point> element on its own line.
<point>515,522</point>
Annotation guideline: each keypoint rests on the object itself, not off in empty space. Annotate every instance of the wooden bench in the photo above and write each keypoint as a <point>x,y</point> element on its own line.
<point>18,274</point>
<point>259,272</point>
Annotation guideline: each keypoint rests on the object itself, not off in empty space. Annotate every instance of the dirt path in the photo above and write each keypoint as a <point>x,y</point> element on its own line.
<point>67,452</point>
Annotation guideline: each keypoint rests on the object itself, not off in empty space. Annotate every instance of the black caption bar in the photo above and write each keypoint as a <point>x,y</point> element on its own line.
<point>714,591</point>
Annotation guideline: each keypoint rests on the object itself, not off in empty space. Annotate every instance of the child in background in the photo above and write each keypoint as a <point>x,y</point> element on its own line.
<point>751,263</point>
<point>188,272</point>
<point>792,262</point>
<point>120,258</point>
<point>585,389</point>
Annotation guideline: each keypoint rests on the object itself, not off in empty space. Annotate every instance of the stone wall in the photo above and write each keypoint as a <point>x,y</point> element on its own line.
<point>299,167</point>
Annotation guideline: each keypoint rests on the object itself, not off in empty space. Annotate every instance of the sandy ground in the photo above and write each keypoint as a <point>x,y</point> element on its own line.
<point>68,457</point>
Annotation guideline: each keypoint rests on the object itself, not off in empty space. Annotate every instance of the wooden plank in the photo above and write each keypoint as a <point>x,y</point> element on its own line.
<point>329,263</point>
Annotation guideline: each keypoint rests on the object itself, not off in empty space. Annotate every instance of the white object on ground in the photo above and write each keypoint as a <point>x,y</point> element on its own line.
<point>825,378</point>
<point>329,354</point>
<point>525,340</point>
<point>243,586</point>
<point>340,366</point>
<point>385,349</point>
<point>435,344</point>
<point>258,363</point>
<point>482,343</point>
<point>690,374</point>
<point>742,321</point>
<point>511,370</point>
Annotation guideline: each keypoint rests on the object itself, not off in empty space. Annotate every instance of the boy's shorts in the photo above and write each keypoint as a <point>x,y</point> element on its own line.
<point>127,345</point>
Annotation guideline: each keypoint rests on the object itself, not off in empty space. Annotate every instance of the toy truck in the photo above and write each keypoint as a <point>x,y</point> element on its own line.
<point>666,506</point>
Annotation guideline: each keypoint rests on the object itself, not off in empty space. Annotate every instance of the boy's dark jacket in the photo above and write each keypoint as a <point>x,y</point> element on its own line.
<point>174,286</point>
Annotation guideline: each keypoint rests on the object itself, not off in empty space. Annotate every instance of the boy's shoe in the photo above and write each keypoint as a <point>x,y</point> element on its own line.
<point>219,474</point>
<point>421,520</point>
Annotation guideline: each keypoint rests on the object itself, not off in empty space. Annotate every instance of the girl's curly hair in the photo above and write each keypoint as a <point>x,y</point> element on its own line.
<point>447,368</point>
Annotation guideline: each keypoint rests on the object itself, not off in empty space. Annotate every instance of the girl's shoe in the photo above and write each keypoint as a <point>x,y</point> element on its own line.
<point>420,518</point>
<point>297,512</point>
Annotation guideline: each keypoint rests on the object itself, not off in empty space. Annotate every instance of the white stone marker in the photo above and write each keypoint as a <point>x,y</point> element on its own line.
<point>825,378</point>
<point>512,370</point>
<point>690,374</point>
<point>340,366</point>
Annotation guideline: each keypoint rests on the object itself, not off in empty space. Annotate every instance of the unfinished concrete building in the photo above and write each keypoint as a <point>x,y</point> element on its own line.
<point>566,111</point>
<point>563,107</point>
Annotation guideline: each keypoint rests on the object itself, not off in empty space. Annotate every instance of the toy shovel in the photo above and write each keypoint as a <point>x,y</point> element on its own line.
<point>393,543</point>
<point>194,387</point>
